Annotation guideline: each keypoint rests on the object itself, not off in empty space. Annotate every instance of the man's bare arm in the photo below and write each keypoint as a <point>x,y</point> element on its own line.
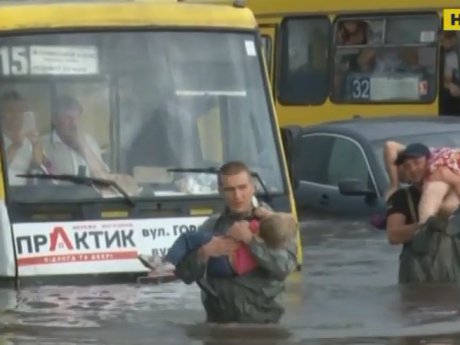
<point>397,230</point>
<point>390,153</point>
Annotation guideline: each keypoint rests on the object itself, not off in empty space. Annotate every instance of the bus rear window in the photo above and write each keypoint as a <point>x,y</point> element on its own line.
<point>388,59</point>
<point>304,72</point>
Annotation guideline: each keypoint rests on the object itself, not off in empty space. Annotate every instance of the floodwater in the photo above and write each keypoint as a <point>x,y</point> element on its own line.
<point>347,293</point>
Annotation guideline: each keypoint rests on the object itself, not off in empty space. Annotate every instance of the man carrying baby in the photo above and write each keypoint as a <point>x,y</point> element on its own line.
<point>425,217</point>
<point>275,229</point>
<point>245,297</point>
<point>437,170</point>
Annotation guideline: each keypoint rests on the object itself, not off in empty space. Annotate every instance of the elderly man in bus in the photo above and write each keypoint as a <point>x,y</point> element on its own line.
<point>68,148</point>
<point>20,137</point>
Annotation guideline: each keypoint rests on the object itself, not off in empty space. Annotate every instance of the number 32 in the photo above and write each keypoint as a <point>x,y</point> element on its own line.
<point>361,88</point>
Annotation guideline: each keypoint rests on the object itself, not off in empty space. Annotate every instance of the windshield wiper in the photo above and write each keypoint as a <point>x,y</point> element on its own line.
<point>85,180</point>
<point>214,170</point>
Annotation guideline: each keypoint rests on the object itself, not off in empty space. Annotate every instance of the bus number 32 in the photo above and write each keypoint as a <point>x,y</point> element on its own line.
<point>14,60</point>
<point>361,88</point>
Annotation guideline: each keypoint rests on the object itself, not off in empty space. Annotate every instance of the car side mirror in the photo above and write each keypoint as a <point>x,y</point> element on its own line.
<point>354,187</point>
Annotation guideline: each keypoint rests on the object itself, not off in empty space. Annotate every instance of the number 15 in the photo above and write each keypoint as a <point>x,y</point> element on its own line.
<point>14,60</point>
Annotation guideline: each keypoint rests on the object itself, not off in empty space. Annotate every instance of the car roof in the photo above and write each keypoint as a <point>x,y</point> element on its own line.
<point>382,128</point>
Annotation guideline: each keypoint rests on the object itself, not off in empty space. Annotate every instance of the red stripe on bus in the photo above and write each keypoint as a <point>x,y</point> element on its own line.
<point>80,257</point>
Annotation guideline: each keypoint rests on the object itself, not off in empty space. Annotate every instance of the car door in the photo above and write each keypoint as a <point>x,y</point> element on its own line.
<point>321,161</point>
<point>347,160</point>
<point>310,158</point>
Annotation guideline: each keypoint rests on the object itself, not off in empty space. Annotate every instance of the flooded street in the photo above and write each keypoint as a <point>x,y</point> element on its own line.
<point>347,293</point>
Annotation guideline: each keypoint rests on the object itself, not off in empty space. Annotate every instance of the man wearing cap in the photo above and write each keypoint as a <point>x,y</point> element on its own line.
<point>430,253</point>
<point>434,171</point>
<point>402,219</point>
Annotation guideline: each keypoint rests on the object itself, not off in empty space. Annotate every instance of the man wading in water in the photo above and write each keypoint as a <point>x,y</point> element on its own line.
<point>431,246</point>
<point>252,297</point>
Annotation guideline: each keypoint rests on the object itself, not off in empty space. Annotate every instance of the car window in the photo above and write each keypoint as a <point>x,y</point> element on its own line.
<point>311,157</point>
<point>347,162</point>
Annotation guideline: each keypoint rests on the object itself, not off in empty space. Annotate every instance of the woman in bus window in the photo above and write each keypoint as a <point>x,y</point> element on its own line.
<point>353,32</point>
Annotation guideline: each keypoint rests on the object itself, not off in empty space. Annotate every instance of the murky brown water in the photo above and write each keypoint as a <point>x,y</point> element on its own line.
<point>346,294</point>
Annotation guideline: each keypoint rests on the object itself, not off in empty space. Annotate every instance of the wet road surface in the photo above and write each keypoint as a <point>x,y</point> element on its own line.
<point>347,293</point>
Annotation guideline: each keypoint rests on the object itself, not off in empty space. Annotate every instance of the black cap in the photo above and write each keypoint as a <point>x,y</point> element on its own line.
<point>415,150</point>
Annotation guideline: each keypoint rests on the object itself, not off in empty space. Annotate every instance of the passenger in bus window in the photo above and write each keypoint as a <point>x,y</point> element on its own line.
<point>68,147</point>
<point>449,43</point>
<point>20,137</point>
<point>366,61</point>
<point>384,61</point>
<point>353,32</point>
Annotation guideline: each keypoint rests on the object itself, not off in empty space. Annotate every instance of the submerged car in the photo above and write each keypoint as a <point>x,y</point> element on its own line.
<point>338,167</point>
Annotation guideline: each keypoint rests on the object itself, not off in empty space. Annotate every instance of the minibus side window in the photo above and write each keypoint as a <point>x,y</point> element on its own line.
<point>389,59</point>
<point>303,72</point>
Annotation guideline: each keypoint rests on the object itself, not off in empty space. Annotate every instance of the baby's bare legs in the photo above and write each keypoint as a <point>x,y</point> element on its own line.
<point>433,196</point>
<point>450,204</point>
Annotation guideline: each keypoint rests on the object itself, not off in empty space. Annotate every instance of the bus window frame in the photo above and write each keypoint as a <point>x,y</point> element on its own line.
<point>281,58</point>
<point>384,15</point>
<point>267,54</point>
<point>272,112</point>
<point>113,99</point>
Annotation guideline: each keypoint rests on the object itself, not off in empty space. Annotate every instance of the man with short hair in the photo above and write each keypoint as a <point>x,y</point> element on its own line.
<point>252,297</point>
